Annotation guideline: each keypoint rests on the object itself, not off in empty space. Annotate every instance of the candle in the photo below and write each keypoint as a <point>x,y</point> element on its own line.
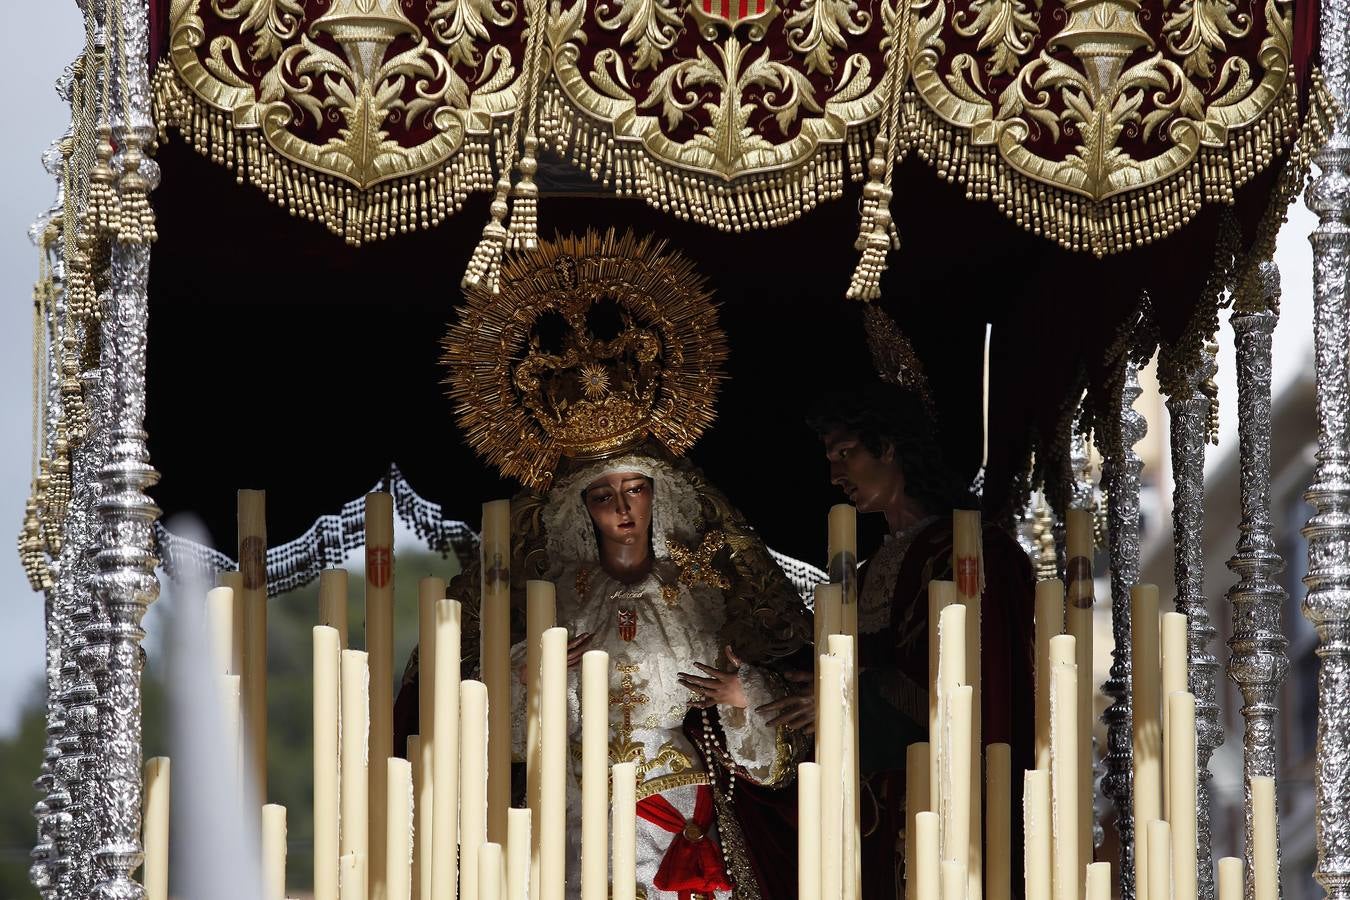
<point>540,615</point>
<point>969,570</point>
<point>808,832</point>
<point>353,876</point>
<point>830,727</point>
<point>1080,541</point>
<point>232,731</point>
<point>355,786</point>
<point>998,822</point>
<point>274,852</point>
<point>399,829</point>
<point>1230,878</point>
<point>624,778</point>
<point>1146,736</point>
<point>253,597</point>
<point>844,646</point>
<point>1038,861</point>
<point>1049,622</point>
<point>918,798</point>
<point>473,776</point>
<point>380,649</point>
<point>421,847</point>
<point>155,828</point>
<point>1175,677</point>
<point>595,775</point>
<point>220,624</point>
<point>828,619</point>
<point>927,857</point>
<point>941,594</point>
<point>430,591</point>
<point>489,866</point>
<point>951,675</point>
<point>956,814</point>
<point>1064,783</point>
<point>1099,881</point>
<point>843,565</point>
<point>1265,849</point>
<point>445,754</point>
<point>953,880</point>
<point>553,764</point>
<point>1182,790</point>
<point>333,601</point>
<point>495,657</point>
<point>518,854</point>
<point>235,582</point>
<point>1159,860</point>
<point>327,705</point>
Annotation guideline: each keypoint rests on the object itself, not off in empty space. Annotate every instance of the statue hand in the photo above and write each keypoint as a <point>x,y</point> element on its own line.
<point>717,686</point>
<point>797,710</point>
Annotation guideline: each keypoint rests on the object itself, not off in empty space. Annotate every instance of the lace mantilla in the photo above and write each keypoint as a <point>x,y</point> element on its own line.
<point>883,569</point>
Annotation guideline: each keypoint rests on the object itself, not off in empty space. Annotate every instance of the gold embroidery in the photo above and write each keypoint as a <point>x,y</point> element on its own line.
<point>696,564</point>
<point>623,748</point>
<point>663,783</point>
<point>583,583</point>
<point>670,593</point>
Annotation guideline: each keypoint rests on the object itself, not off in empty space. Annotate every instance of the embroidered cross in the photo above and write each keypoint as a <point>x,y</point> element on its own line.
<point>696,564</point>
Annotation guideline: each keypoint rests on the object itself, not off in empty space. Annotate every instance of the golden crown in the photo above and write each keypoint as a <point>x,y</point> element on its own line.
<point>592,345</point>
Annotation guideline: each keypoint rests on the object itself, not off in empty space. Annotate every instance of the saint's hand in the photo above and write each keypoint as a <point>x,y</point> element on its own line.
<point>717,686</point>
<point>797,710</point>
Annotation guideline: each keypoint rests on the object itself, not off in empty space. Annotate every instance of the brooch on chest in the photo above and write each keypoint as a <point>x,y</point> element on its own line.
<point>627,621</point>
<point>696,563</point>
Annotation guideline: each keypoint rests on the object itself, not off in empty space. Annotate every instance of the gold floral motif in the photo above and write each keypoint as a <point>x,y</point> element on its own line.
<point>649,26</point>
<point>670,595</point>
<point>1197,30</point>
<point>272,22</point>
<point>463,27</point>
<point>1005,29</point>
<point>696,563</point>
<point>821,27</point>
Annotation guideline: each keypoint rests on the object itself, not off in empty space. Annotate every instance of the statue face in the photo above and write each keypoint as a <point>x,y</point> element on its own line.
<point>620,505</point>
<point>869,481</point>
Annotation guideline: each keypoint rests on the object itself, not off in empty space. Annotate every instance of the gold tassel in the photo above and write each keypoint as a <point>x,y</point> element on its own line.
<point>103,212</point>
<point>524,229</point>
<point>31,555</point>
<point>866,281</point>
<point>81,299</point>
<point>485,264</point>
<point>138,219</point>
<point>876,172</point>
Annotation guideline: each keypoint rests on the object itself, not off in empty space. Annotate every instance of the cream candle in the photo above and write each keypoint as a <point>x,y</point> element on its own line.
<point>495,657</point>
<point>333,601</point>
<point>1265,849</point>
<point>624,779</point>
<point>918,798</point>
<point>540,615</point>
<point>273,852</point>
<point>473,780</point>
<point>1038,862</point>
<point>595,775</point>
<point>355,782</point>
<point>155,828</point>
<point>808,831</point>
<point>399,829</point>
<point>380,649</point>
<point>1181,752</point>
<point>327,716</point>
<point>445,754</point>
<point>1049,622</point>
<point>1064,780</point>
<point>553,768</point>
<point>1146,735</point>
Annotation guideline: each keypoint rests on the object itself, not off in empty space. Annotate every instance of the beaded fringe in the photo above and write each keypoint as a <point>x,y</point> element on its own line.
<point>398,206</point>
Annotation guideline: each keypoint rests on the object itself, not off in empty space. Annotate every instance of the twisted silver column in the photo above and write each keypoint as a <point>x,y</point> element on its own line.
<point>1189,409</point>
<point>1257,662</point>
<point>1327,605</point>
<point>1121,467</point>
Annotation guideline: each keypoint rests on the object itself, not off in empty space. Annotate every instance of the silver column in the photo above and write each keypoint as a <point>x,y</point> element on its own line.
<point>1121,469</point>
<point>1327,605</point>
<point>1190,409</point>
<point>1258,662</point>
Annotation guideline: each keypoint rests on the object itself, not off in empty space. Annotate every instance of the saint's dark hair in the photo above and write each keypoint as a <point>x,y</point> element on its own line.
<point>886,416</point>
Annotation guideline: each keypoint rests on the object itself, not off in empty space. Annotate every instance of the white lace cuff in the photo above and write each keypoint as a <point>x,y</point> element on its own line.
<point>757,749</point>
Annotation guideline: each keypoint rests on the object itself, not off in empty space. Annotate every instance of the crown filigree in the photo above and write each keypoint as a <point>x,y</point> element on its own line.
<point>592,345</point>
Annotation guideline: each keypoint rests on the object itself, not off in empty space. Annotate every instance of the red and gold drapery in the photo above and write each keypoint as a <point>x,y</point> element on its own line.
<point>1102,124</point>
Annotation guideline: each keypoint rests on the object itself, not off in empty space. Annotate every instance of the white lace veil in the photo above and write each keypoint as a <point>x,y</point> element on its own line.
<point>570,532</point>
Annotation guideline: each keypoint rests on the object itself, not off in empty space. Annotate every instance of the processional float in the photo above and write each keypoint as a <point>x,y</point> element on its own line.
<point>1115,130</point>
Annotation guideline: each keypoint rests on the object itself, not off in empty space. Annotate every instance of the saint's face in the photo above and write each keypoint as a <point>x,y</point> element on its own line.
<point>620,505</point>
<point>869,481</point>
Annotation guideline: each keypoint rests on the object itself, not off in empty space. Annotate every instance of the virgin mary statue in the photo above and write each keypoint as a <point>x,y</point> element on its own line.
<point>587,378</point>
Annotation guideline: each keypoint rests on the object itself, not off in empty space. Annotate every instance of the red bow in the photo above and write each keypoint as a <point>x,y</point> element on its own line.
<point>692,862</point>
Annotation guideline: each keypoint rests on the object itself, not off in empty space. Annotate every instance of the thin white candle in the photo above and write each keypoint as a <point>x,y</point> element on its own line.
<point>918,798</point>
<point>595,775</point>
<point>353,876</point>
<point>355,786</point>
<point>1146,735</point>
<point>1037,862</point>
<point>380,650</point>
<point>274,852</point>
<point>495,658</point>
<point>953,880</point>
<point>927,856</point>
<point>808,831</point>
<point>234,580</point>
<point>220,622</point>
<point>473,780</point>
<point>232,728</point>
<point>941,594</point>
<point>1159,849</point>
<point>553,764</point>
<point>540,615</point>
<point>951,675</point>
<point>956,816</point>
<point>489,866</point>
<point>998,822</point>
<point>1181,751</point>
<point>1064,780</point>
<point>828,614</point>
<point>967,543</point>
<point>333,601</point>
<point>1265,849</point>
<point>830,726</point>
<point>399,829</point>
<point>624,779</point>
<point>430,591</point>
<point>1078,621</point>
<point>1175,677</point>
<point>155,828</point>
<point>327,705</point>
<point>842,646</point>
<point>843,556</point>
<point>445,755</point>
<point>518,854</point>
<point>1049,622</point>
<point>1099,881</point>
<point>1230,878</point>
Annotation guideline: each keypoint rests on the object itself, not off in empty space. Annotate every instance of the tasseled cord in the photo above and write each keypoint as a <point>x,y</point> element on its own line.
<point>524,228</point>
<point>866,281</point>
<point>137,219</point>
<point>486,263</point>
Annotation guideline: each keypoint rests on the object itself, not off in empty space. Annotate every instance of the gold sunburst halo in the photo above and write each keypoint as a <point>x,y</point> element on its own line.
<point>526,398</point>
